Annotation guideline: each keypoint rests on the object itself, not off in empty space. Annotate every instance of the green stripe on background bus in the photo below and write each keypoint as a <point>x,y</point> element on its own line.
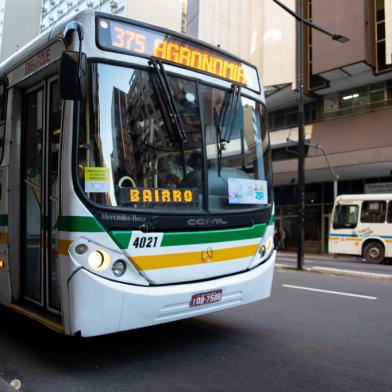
<point>80,224</point>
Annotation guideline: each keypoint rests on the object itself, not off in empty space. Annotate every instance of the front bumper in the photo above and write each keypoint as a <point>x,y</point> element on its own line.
<point>100,306</point>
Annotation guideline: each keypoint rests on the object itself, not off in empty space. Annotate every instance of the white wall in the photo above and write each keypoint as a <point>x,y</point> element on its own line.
<point>255,30</point>
<point>164,13</point>
<point>278,44</point>
<point>21,24</point>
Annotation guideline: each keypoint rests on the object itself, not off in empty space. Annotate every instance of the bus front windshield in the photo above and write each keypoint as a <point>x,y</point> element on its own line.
<point>131,156</point>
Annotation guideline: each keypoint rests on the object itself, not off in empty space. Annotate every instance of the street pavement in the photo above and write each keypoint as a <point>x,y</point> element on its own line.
<point>341,262</point>
<point>316,333</point>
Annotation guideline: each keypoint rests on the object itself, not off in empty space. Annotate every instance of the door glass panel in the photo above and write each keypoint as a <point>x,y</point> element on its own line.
<point>33,138</point>
<point>53,170</point>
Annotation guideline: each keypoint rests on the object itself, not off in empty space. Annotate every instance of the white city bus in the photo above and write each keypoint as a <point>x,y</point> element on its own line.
<point>362,226</point>
<point>135,178</point>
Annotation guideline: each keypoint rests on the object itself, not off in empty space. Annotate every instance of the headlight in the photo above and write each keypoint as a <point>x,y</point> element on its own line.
<point>99,260</point>
<point>81,249</point>
<point>119,268</point>
<point>269,244</point>
<point>266,248</point>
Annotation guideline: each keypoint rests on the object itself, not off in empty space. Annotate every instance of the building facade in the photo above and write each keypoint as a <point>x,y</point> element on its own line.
<point>54,10</point>
<point>163,13</point>
<point>348,98</point>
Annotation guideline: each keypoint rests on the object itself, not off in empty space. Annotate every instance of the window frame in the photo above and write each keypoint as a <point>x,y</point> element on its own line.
<point>3,120</point>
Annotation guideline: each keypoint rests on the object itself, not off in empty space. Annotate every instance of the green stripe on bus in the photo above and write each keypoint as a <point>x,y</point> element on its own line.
<point>272,220</point>
<point>3,220</point>
<point>205,237</point>
<point>122,238</point>
<point>80,224</point>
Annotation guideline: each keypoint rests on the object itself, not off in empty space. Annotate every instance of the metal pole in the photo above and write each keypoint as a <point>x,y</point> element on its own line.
<point>301,122</point>
<point>335,189</point>
<point>301,145</point>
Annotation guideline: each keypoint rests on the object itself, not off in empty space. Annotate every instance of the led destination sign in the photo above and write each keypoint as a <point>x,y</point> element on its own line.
<point>118,36</point>
<point>158,196</point>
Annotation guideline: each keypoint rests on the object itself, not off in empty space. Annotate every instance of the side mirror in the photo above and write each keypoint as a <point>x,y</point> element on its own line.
<point>73,75</point>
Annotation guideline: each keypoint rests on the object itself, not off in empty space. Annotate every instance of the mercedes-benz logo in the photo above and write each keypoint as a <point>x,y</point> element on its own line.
<point>207,255</point>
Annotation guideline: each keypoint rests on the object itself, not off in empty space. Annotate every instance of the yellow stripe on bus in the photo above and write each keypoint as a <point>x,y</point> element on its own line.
<point>192,258</point>
<point>63,246</point>
<point>3,238</point>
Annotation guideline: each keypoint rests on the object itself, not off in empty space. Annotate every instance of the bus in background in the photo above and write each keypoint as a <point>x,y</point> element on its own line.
<point>135,178</point>
<point>362,225</point>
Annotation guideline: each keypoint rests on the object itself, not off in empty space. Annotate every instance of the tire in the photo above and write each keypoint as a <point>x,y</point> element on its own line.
<point>374,252</point>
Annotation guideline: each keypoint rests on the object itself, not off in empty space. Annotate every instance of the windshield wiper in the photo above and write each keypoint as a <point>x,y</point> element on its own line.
<point>228,117</point>
<point>166,100</point>
<point>236,94</point>
<point>220,145</point>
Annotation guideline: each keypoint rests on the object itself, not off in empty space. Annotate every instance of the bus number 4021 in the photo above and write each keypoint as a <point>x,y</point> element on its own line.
<point>145,242</point>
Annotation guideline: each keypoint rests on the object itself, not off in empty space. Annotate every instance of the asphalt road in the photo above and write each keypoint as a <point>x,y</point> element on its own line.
<point>298,340</point>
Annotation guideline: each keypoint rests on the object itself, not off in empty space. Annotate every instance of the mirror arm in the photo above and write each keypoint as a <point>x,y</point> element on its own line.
<point>68,30</point>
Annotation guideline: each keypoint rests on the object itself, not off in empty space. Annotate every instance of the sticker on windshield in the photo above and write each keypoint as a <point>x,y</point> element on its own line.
<point>242,191</point>
<point>96,179</point>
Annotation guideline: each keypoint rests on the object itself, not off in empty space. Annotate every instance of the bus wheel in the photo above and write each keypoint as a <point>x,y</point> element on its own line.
<point>374,252</point>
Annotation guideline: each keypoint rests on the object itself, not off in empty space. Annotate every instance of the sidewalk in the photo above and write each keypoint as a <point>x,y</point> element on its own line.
<point>342,265</point>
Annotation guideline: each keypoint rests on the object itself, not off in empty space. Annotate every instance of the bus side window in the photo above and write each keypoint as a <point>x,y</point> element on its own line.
<point>373,211</point>
<point>389,218</point>
<point>2,117</point>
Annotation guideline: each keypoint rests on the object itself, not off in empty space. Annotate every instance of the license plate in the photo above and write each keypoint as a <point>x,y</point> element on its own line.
<point>206,298</point>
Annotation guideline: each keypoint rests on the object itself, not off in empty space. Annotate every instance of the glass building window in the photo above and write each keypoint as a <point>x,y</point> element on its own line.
<point>381,64</point>
<point>389,218</point>
<point>359,100</point>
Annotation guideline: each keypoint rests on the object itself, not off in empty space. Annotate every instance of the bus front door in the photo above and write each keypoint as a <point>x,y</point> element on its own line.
<point>40,195</point>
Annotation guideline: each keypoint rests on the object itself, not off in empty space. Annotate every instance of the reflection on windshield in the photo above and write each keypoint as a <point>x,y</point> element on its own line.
<point>129,158</point>
<point>245,156</point>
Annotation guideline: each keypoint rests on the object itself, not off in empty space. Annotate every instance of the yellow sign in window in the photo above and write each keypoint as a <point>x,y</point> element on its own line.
<point>96,179</point>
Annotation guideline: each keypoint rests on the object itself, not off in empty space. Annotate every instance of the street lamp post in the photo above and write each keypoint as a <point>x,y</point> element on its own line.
<point>301,121</point>
<point>301,145</point>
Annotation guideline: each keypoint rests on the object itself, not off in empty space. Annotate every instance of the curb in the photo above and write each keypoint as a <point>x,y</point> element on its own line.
<point>5,386</point>
<point>321,257</point>
<point>338,272</point>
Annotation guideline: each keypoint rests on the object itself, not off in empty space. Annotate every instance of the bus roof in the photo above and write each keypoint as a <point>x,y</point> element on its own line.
<point>360,197</point>
<point>87,19</point>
